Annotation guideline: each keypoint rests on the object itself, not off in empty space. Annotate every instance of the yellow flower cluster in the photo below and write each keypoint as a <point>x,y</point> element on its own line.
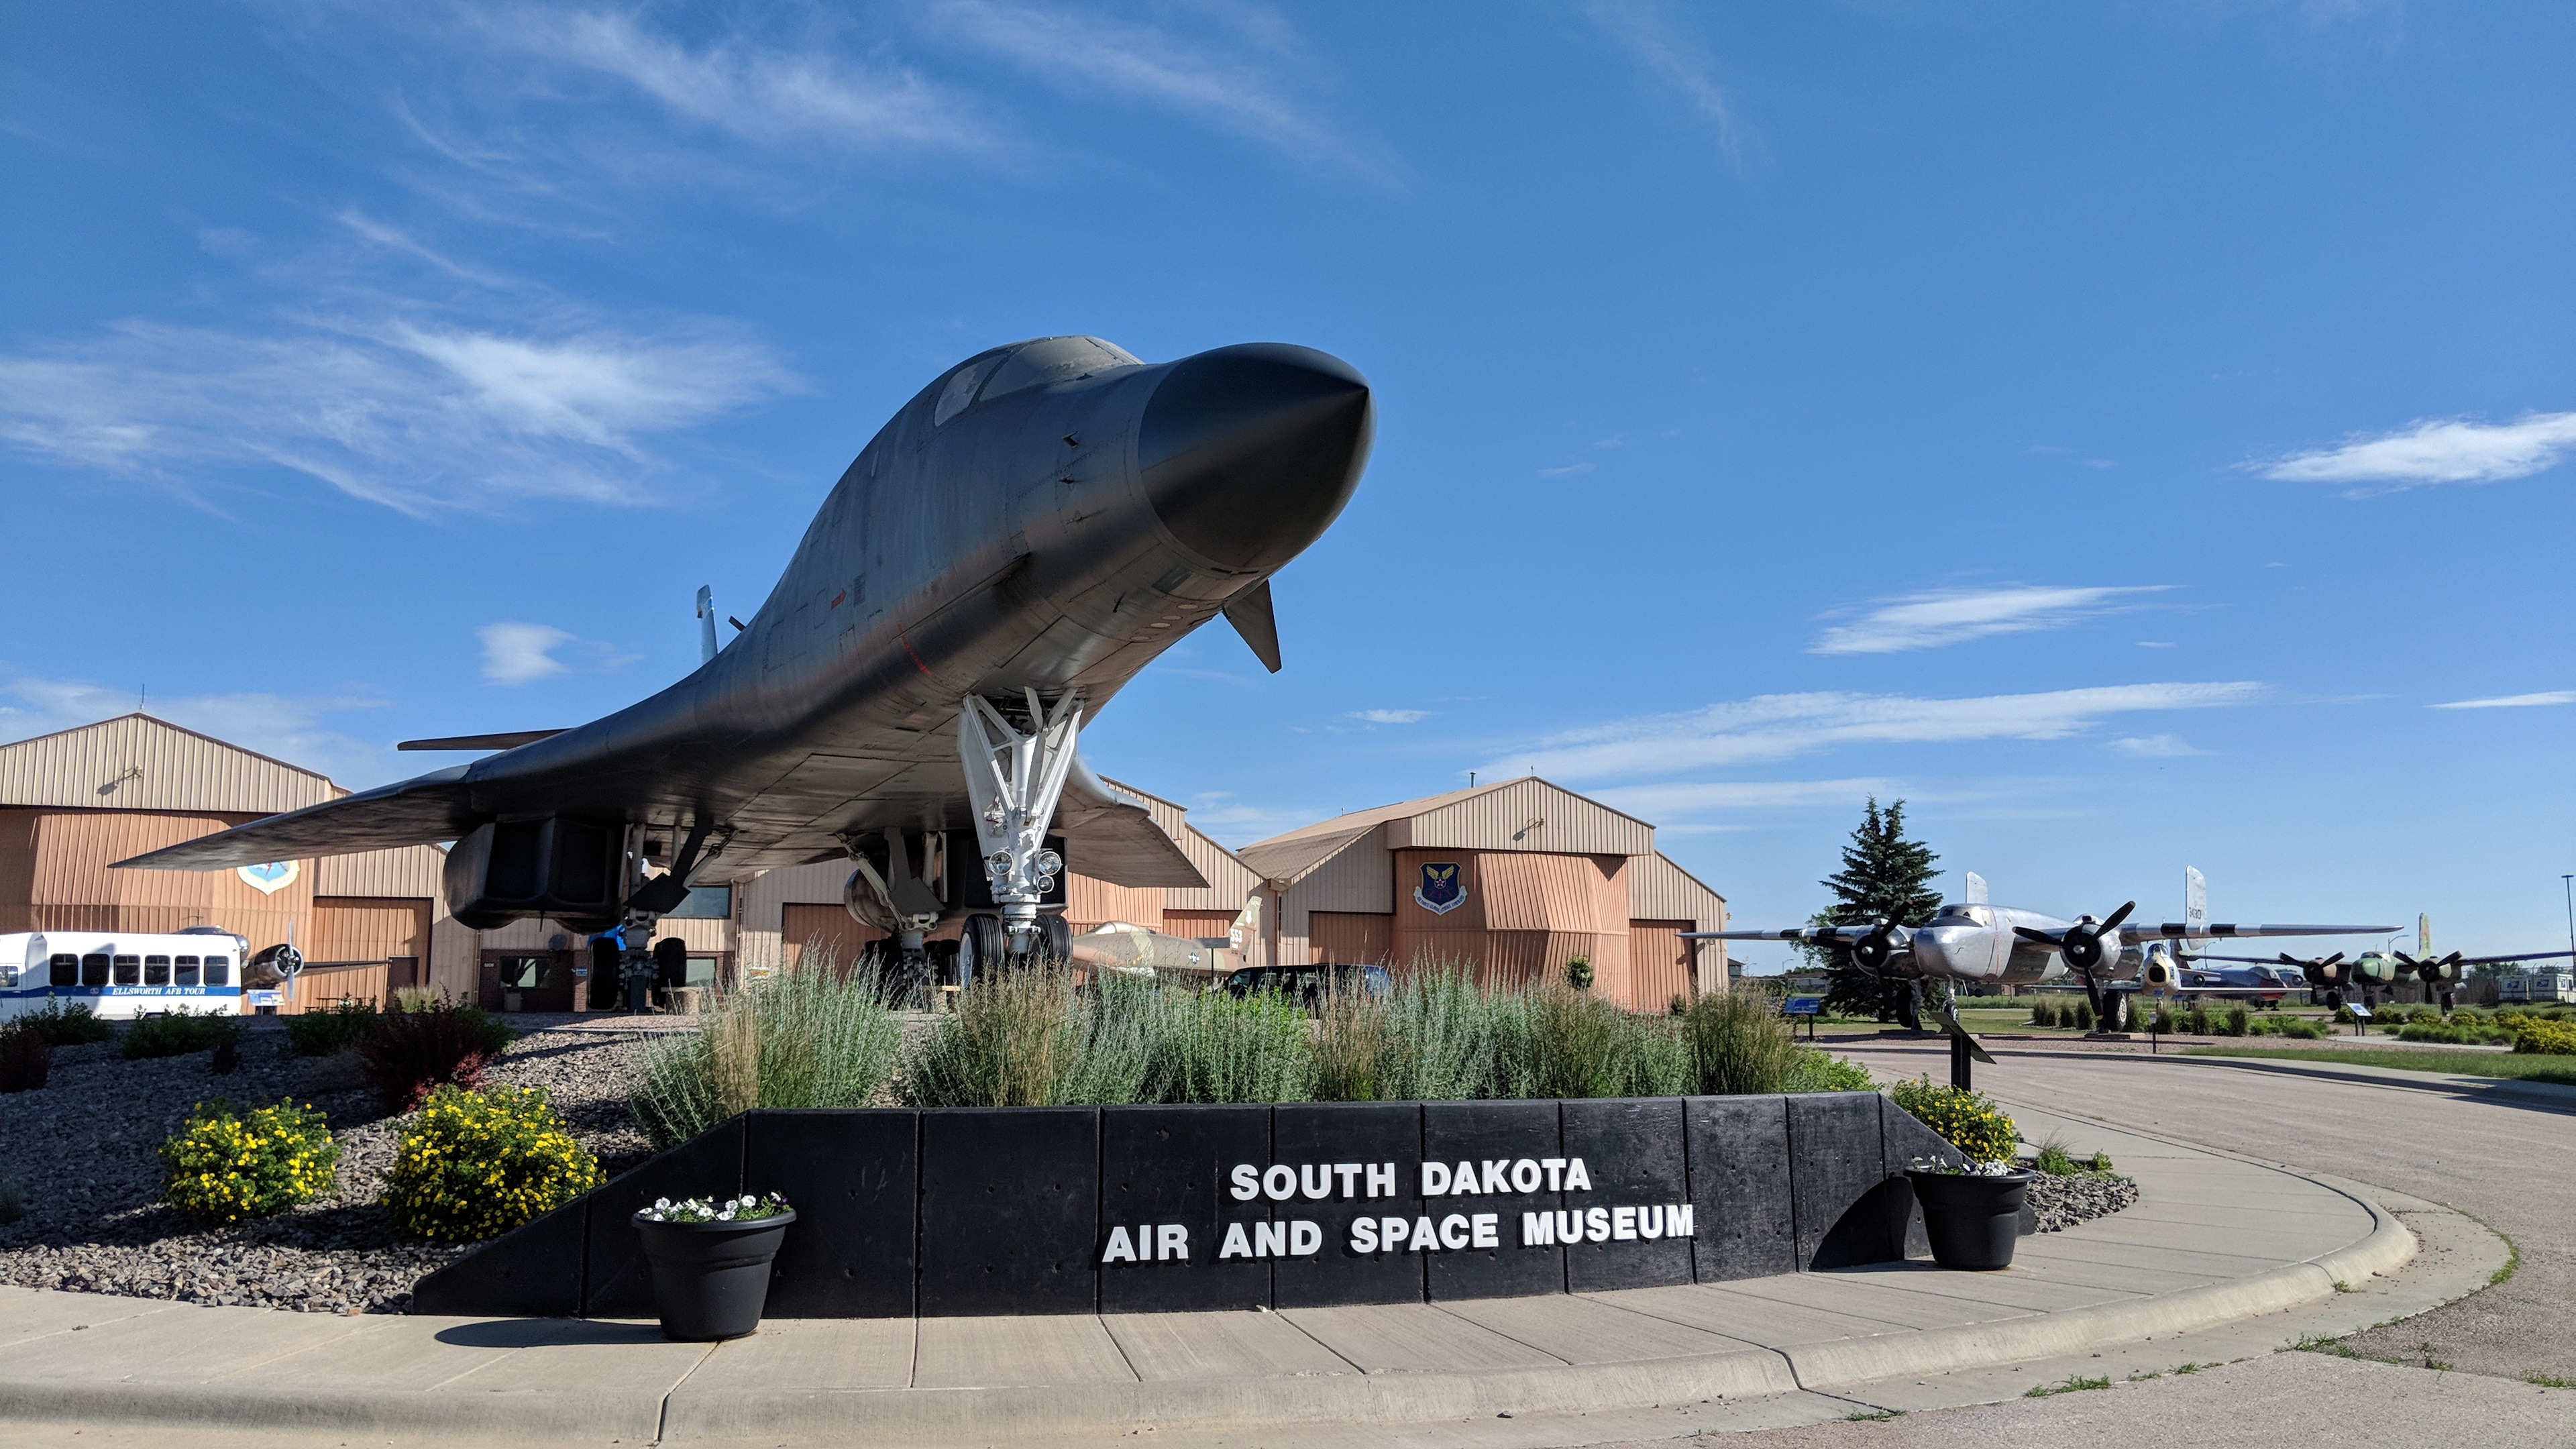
<point>1969,1121</point>
<point>473,1165</point>
<point>223,1167</point>
<point>2538,1034</point>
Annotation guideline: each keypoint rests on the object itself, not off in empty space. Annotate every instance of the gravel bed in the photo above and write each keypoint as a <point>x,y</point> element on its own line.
<point>84,1151</point>
<point>2062,1202</point>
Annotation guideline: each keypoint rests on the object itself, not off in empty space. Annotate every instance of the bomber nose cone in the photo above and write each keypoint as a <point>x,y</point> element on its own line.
<point>1250,452</point>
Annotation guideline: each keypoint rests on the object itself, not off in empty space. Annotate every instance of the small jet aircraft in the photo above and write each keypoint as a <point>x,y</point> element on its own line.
<point>1027,533</point>
<point>1977,941</point>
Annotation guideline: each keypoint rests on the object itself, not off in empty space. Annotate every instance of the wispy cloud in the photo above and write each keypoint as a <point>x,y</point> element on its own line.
<point>2443,451</point>
<point>1647,33</point>
<point>1570,470</point>
<point>2156,747</point>
<point>766,95</point>
<point>1782,726</point>
<point>289,729</point>
<point>1239,87</point>
<point>1661,802</point>
<point>2513,701</point>
<point>516,653</point>
<point>1952,616</point>
<point>423,417</point>
<point>1390,716</point>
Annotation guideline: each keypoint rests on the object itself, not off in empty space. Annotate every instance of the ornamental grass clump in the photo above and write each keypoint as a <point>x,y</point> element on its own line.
<point>810,1035</point>
<point>474,1165</point>
<point>222,1167</point>
<point>1212,1047</point>
<point>1968,1121</point>
<point>1739,1045</point>
<point>1026,1039</point>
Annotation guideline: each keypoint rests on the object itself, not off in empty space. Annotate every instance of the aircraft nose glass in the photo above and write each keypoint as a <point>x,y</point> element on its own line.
<point>1249,452</point>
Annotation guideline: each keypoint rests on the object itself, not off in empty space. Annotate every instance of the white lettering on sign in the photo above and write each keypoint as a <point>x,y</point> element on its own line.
<point>1600,1225</point>
<point>1153,1242</point>
<point>1297,1239</point>
<point>1501,1175</point>
<point>1313,1180</point>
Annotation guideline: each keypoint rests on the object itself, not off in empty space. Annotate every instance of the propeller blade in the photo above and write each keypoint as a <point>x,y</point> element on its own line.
<point>2451,960</point>
<point>2286,959</point>
<point>2330,960</point>
<point>1252,617</point>
<point>2118,916</point>
<point>2402,956</point>
<point>2029,934</point>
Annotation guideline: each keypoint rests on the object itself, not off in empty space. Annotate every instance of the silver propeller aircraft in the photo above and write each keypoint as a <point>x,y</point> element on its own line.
<point>1026,534</point>
<point>2330,976</point>
<point>1977,941</point>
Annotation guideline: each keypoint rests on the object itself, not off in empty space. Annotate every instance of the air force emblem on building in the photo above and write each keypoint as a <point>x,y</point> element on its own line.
<point>271,878</point>
<point>1440,893</point>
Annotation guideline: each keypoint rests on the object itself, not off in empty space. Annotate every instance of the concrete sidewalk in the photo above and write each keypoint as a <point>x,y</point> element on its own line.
<point>2213,1241</point>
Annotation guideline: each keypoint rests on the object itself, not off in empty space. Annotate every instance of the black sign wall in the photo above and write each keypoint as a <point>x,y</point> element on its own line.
<point>987,1211</point>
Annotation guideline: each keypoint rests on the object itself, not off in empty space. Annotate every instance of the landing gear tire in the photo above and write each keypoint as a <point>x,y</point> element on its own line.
<point>1909,1007</point>
<point>2114,1017</point>
<point>981,947</point>
<point>2334,1001</point>
<point>2446,1003</point>
<point>1055,940</point>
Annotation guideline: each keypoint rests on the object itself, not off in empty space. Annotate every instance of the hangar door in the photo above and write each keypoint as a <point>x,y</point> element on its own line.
<point>1659,961</point>
<point>1363,937</point>
<point>363,948</point>
<point>824,928</point>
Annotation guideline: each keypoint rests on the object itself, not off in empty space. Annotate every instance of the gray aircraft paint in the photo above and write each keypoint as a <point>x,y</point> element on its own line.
<point>1047,516</point>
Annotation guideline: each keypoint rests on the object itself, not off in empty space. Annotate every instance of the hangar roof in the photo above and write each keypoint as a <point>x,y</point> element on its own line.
<point>138,762</point>
<point>1523,814</point>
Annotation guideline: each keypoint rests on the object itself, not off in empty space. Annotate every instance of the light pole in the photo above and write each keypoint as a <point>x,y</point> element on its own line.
<point>2567,883</point>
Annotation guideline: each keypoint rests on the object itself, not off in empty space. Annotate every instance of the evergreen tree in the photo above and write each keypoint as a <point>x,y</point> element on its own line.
<point>1884,877</point>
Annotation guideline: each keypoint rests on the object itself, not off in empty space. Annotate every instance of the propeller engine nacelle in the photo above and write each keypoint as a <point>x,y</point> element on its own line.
<point>2441,971</point>
<point>1873,951</point>
<point>2086,944</point>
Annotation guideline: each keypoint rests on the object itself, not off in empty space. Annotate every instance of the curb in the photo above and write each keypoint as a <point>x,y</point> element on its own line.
<point>1844,1363</point>
<point>529,1415</point>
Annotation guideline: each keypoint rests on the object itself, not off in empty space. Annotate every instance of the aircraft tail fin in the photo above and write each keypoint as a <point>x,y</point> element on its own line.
<point>2195,899</point>
<point>1976,889</point>
<point>423,811</point>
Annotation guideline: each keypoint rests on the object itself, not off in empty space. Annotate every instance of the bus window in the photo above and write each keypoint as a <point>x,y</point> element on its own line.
<point>219,970</point>
<point>156,970</point>
<point>186,966</point>
<point>93,971</point>
<point>129,970</point>
<point>66,971</point>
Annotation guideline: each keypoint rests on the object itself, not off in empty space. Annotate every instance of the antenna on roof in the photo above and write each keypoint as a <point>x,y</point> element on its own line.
<point>1471,779</point>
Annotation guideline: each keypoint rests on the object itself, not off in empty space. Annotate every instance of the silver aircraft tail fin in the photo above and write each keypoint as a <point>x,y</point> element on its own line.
<point>2195,899</point>
<point>1976,889</point>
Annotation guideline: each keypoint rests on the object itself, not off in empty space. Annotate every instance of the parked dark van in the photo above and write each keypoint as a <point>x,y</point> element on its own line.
<point>1306,985</point>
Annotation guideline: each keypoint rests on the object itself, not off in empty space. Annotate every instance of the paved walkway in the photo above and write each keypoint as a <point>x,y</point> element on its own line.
<point>2215,1242</point>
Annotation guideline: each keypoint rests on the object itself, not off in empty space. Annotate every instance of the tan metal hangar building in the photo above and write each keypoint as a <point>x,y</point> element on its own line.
<point>1513,879</point>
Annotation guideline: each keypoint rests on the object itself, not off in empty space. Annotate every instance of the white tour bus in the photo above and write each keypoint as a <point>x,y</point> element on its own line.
<point>123,974</point>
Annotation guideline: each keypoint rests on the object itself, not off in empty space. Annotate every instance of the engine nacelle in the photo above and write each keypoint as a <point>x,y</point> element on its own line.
<point>511,869</point>
<point>2160,973</point>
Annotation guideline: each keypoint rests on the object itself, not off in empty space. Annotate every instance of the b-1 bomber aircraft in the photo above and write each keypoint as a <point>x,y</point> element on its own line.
<point>1977,941</point>
<point>1026,534</point>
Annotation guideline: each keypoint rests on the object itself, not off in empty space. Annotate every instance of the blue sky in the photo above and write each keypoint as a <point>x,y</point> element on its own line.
<point>2137,435</point>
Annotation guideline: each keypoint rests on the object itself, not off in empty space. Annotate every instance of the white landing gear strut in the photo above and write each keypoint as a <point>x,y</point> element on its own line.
<point>1014,781</point>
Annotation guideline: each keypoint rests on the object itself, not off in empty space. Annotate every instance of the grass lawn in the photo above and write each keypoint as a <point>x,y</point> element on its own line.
<point>2535,1068</point>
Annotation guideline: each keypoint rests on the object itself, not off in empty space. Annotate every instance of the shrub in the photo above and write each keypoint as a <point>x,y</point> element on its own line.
<point>176,1034</point>
<point>2196,1020</point>
<point>1969,1121</point>
<point>1026,1039</point>
<point>406,1053</point>
<point>2299,1028</point>
<point>415,998</point>
<point>67,1025</point>
<point>1578,973</point>
<point>2083,1013</point>
<point>473,1165</point>
<point>2054,1159</point>
<point>810,1035</point>
<point>222,1168</point>
<point>2548,1037</point>
<point>1817,1072</point>
<point>1739,1045</point>
<point>2237,1021</point>
<point>320,1033</point>
<point>26,1058</point>
<point>1351,1047</point>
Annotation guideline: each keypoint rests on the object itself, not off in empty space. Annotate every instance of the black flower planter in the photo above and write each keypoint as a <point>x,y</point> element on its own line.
<point>710,1280</point>
<point>1973,1221</point>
